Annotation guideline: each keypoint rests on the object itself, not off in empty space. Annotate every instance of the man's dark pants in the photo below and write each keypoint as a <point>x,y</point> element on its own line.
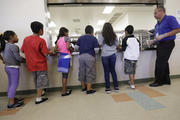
<point>164,50</point>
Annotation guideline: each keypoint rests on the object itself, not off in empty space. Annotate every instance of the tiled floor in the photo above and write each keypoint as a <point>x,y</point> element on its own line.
<point>144,103</point>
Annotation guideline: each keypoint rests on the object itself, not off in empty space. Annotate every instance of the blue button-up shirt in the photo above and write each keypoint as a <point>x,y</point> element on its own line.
<point>167,24</point>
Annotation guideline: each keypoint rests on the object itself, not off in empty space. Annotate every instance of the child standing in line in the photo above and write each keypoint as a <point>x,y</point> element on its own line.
<point>130,46</point>
<point>63,46</point>
<point>12,61</point>
<point>35,50</point>
<point>87,45</point>
<point>109,43</point>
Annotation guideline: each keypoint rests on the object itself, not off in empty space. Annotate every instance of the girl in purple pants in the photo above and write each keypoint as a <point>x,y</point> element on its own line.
<point>12,60</point>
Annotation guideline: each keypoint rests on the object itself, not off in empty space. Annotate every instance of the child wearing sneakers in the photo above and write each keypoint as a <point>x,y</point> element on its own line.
<point>87,45</point>
<point>109,43</point>
<point>35,50</point>
<point>12,61</point>
<point>131,48</point>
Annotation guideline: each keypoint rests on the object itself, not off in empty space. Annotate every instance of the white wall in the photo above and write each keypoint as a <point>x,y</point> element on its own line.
<point>17,15</point>
<point>122,22</point>
<point>142,19</point>
<point>171,7</point>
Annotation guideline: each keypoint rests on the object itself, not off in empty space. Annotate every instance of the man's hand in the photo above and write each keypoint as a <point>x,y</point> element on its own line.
<point>151,42</point>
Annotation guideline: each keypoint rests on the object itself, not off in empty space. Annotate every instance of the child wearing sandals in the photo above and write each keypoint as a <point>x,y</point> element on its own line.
<point>63,47</point>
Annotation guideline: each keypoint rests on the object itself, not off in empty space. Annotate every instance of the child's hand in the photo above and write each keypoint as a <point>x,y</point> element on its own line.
<point>51,53</point>
<point>23,60</point>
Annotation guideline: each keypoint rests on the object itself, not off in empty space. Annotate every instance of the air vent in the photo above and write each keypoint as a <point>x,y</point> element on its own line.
<point>77,29</point>
<point>76,20</point>
<point>115,17</point>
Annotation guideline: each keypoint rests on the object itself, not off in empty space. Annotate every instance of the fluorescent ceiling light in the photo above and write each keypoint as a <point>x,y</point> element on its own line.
<point>101,22</point>
<point>52,24</point>
<point>108,9</point>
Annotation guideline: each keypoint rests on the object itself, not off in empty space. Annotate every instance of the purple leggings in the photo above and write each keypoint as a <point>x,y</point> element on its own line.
<point>13,80</point>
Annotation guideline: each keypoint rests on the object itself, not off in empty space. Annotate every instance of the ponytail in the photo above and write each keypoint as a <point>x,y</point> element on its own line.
<point>2,43</point>
<point>6,36</point>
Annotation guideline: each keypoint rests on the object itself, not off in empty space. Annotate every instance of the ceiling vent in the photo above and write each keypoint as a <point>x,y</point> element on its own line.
<point>76,20</point>
<point>115,17</point>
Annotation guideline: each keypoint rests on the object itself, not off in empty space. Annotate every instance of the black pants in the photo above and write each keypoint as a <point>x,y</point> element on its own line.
<point>164,50</point>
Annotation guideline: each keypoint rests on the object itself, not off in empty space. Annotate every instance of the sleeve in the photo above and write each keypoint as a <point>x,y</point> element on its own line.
<point>124,44</point>
<point>43,47</point>
<point>173,23</point>
<point>139,44</point>
<point>96,45</point>
<point>67,39</point>
<point>78,42</point>
<point>116,41</point>
<point>100,39</point>
<point>15,51</point>
<point>76,47</point>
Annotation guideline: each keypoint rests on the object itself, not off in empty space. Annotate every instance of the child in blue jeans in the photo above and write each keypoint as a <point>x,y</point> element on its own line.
<point>12,60</point>
<point>109,43</point>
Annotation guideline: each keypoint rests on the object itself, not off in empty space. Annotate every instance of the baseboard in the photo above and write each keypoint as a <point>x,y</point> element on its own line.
<point>96,85</point>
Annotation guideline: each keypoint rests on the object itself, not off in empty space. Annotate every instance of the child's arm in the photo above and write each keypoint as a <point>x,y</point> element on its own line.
<point>68,44</point>
<point>77,46</point>
<point>1,58</point>
<point>124,44</point>
<point>118,47</point>
<point>15,50</point>
<point>44,50</point>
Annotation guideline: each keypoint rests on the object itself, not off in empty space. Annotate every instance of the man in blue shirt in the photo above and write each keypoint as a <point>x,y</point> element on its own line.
<point>165,31</point>
<point>87,45</point>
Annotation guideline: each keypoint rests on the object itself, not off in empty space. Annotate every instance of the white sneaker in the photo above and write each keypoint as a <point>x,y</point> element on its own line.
<point>116,91</point>
<point>108,91</point>
<point>132,86</point>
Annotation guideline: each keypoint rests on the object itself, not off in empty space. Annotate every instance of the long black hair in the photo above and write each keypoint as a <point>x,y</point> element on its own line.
<point>62,32</point>
<point>6,36</point>
<point>108,34</point>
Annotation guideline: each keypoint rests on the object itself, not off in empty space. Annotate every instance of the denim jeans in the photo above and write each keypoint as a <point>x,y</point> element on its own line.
<point>109,67</point>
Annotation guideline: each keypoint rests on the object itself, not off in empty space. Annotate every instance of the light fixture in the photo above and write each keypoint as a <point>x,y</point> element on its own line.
<point>108,9</point>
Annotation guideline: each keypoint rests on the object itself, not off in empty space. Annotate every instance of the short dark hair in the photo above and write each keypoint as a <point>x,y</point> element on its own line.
<point>161,8</point>
<point>129,29</point>
<point>36,27</point>
<point>89,29</point>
